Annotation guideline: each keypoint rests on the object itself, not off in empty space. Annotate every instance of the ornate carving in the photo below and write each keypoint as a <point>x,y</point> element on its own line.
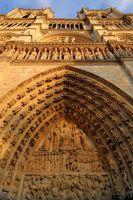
<point>62,186</point>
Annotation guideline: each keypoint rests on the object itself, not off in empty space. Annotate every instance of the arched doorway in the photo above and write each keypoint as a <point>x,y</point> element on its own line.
<point>66,134</point>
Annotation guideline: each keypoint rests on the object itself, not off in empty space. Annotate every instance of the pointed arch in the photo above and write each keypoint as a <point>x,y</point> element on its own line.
<point>102,110</point>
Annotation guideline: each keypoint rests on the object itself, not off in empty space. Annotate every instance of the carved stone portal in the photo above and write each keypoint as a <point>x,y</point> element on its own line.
<point>66,165</point>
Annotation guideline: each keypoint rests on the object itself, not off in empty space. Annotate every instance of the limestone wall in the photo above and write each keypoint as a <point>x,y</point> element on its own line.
<point>12,75</point>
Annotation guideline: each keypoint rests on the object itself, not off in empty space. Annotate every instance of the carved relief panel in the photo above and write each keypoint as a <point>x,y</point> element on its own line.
<point>66,165</point>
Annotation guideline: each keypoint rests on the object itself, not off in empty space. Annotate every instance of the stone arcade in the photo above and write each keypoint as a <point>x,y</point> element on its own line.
<point>66,106</point>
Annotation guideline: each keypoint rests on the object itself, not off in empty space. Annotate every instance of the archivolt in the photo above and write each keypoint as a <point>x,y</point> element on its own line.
<point>101,109</point>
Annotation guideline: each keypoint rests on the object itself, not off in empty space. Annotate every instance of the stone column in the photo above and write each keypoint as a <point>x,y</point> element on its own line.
<point>82,53</point>
<point>16,54</point>
<point>38,55</point>
<point>60,56</point>
<point>104,54</point>
<point>71,49</point>
<point>93,53</point>
<point>27,55</point>
<point>49,55</point>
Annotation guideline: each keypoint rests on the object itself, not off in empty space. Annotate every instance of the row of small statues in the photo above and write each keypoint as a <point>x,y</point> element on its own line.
<point>67,54</point>
<point>65,162</point>
<point>67,187</point>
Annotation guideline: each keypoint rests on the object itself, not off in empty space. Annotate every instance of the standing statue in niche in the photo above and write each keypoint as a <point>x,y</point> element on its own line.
<point>99,54</point>
<point>84,140</point>
<point>88,54</point>
<point>47,143</point>
<point>55,54</point>
<point>44,55</point>
<point>77,136</point>
<point>77,54</point>
<point>109,54</point>
<point>121,51</point>
<point>21,54</point>
<point>10,52</point>
<point>56,140</point>
<point>33,54</point>
<point>66,54</point>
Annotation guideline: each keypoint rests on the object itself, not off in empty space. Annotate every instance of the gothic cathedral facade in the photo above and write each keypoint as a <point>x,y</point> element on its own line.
<point>66,105</point>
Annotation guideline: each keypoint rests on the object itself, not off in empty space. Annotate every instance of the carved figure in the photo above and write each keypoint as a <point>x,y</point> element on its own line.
<point>55,54</point>
<point>21,54</point>
<point>56,140</point>
<point>59,39</point>
<point>72,39</point>
<point>77,54</point>
<point>77,140</point>
<point>99,54</point>
<point>47,143</point>
<point>44,54</point>
<point>10,52</point>
<point>66,39</point>
<point>84,140</point>
<point>88,54</point>
<point>33,54</point>
<point>121,51</point>
<point>66,54</point>
<point>109,54</point>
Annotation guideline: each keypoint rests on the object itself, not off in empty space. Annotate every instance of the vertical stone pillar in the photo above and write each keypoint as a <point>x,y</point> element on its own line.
<point>60,56</point>
<point>93,53</point>
<point>104,54</point>
<point>71,49</point>
<point>82,53</point>
<point>49,55</point>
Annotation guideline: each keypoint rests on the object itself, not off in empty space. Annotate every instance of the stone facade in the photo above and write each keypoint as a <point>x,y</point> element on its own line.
<point>66,107</point>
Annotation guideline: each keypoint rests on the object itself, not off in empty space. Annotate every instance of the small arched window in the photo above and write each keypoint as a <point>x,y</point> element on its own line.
<point>67,27</point>
<point>54,26</point>
<point>9,25</point>
<point>81,26</point>
<point>103,16</point>
<point>63,26</point>
<point>50,26</point>
<point>77,27</point>
<point>72,27</point>
<point>59,26</point>
<point>28,25</point>
<point>25,16</point>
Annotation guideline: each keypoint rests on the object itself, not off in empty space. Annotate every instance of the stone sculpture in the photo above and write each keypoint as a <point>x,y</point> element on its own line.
<point>55,54</point>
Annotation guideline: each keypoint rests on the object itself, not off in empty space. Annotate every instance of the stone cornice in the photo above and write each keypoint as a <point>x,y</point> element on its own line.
<point>58,44</point>
<point>66,19</point>
<point>61,62</point>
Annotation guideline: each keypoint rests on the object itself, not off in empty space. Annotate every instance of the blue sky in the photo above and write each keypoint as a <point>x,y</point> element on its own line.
<point>66,8</point>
